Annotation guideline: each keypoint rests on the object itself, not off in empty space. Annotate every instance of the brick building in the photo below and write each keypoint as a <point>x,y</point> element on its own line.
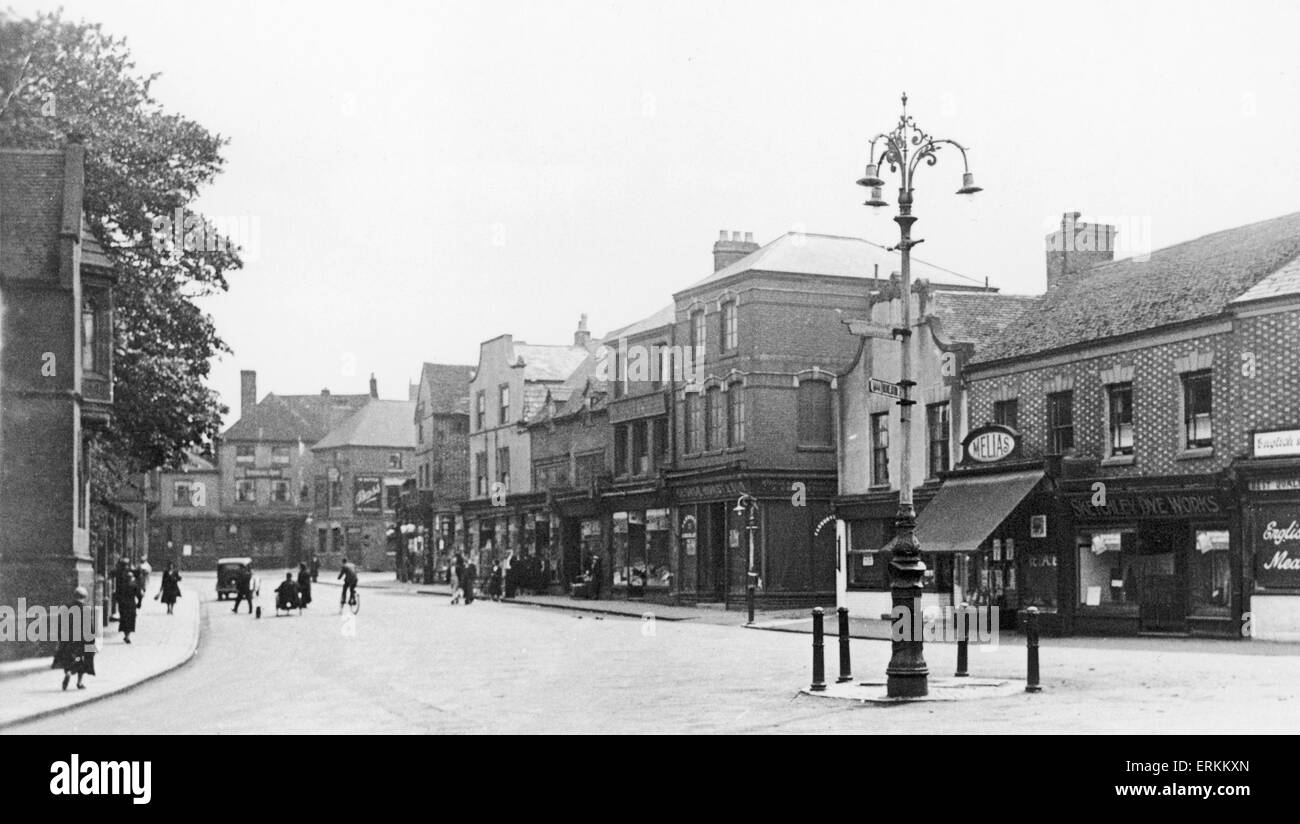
<point>359,470</point>
<point>187,524</point>
<point>56,381</point>
<point>441,458</point>
<point>763,342</point>
<point>266,468</point>
<point>511,383</point>
<point>949,323</point>
<point>1157,404</point>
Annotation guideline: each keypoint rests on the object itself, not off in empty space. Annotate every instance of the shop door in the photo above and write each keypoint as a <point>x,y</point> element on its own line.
<point>713,552</point>
<point>1162,589</point>
<point>636,560</point>
<point>571,550</point>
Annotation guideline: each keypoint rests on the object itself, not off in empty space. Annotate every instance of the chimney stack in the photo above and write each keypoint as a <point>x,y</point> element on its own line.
<point>247,392</point>
<point>1076,247</point>
<point>728,250</point>
<point>374,386</point>
<point>582,337</point>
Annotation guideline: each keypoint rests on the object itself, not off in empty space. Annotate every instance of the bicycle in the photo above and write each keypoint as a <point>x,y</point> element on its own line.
<point>354,601</point>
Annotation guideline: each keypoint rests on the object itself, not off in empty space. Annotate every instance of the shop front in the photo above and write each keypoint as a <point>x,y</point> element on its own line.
<point>1270,494</point>
<point>1153,555</point>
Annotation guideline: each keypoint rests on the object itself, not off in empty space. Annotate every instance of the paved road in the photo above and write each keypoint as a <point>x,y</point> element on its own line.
<point>414,663</point>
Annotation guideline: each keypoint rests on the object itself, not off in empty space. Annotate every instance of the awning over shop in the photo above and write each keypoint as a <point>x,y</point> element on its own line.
<point>966,510</point>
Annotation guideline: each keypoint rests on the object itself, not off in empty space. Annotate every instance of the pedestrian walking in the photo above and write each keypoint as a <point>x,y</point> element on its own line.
<point>75,655</point>
<point>305,578</point>
<point>127,603</point>
<point>494,582</point>
<point>315,568</point>
<point>142,573</point>
<point>348,574</point>
<point>170,589</point>
<point>457,576</point>
<point>510,574</point>
<point>595,576</point>
<point>244,588</point>
<point>471,577</point>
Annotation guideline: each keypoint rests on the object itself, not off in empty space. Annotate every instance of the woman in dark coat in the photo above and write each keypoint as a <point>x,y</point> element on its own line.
<point>126,607</point>
<point>304,585</point>
<point>75,655</point>
<point>170,589</point>
<point>494,582</point>
<point>471,578</point>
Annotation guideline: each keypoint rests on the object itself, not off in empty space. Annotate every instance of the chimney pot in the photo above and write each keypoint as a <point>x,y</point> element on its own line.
<point>582,336</point>
<point>749,237</point>
<point>1077,246</point>
<point>247,392</point>
<point>722,234</point>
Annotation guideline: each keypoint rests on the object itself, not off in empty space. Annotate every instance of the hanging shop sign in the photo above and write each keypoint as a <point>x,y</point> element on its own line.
<point>990,444</point>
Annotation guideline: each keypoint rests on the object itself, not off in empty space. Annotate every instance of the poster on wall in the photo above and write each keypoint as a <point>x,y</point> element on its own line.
<point>367,494</point>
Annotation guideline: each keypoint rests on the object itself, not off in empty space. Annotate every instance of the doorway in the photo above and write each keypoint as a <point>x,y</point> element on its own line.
<point>1161,573</point>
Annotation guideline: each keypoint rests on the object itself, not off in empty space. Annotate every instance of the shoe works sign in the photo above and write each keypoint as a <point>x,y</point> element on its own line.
<point>990,444</point>
<point>1276,538</point>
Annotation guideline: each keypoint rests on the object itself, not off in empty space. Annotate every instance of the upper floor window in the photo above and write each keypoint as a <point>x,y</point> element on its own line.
<point>1060,422</point>
<point>280,492</point>
<point>640,447</point>
<point>245,454</point>
<point>1119,400</point>
<point>480,473</point>
<point>620,449</point>
<point>1197,402</point>
<point>480,410</point>
<point>96,331</point>
<point>697,336</point>
<point>715,435</point>
<point>245,491</point>
<point>727,326</point>
<point>503,467</point>
<point>1007,413</point>
<point>620,373</point>
<point>505,404</point>
<point>880,449</point>
<point>280,455</point>
<point>937,426</point>
<point>735,415</point>
<point>693,422</point>
<point>660,366</point>
<point>815,413</point>
<point>419,431</point>
<point>660,435</point>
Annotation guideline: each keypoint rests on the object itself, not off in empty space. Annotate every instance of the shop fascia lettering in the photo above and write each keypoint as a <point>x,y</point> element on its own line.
<point>1278,535</point>
<point>1148,505</point>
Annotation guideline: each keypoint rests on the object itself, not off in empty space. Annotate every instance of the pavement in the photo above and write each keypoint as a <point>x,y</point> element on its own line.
<point>410,663</point>
<point>30,689</point>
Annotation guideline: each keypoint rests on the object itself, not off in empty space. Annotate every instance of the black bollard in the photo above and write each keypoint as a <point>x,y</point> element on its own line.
<point>1031,647</point>
<point>819,652</point>
<point>846,669</point>
<point>963,635</point>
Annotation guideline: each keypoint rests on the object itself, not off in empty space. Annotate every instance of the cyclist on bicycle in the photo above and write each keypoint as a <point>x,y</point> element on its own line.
<point>348,573</point>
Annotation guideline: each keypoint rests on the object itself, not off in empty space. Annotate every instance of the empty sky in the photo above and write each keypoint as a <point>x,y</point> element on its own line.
<point>425,176</point>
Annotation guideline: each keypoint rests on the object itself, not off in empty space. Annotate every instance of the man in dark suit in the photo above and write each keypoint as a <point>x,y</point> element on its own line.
<point>596,576</point>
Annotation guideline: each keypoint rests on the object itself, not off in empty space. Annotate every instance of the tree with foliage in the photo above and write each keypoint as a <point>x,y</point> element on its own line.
<point>59,79</point>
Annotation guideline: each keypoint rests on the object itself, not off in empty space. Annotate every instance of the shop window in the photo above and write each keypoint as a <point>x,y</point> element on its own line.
<point>880,449</point>
<point>1110,568</point>
<point>736,415</point>
<point>815,413</point>
<point>1211,576</point>
<point>658,549</point>
<point>1007,413</point>
<point>245,492</point>
<point>1197,397</point>
<point>1060,422</point>
<point>1119,402</point>
<point>868,561</point>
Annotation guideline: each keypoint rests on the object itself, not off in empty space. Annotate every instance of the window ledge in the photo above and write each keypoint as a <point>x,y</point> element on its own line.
<point>1119,460</point>
<point>740,448</point>
<point>880,488</point>
<point>814,448</point>
<point>1193,454</point>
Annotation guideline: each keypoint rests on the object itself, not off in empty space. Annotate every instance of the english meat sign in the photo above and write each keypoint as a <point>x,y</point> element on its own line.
<point>990,444</point>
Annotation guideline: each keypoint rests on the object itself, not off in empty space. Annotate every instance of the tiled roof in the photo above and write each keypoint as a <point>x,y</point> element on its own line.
<point>1285,281</point>
<point>1190,280</point>
<point>294,417</point>
<point>378,423</point>
<point>978,317</point>
<point>448,387</point>
<point>549,363</point>
<point>663,317</point>
<point>830,255</point>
